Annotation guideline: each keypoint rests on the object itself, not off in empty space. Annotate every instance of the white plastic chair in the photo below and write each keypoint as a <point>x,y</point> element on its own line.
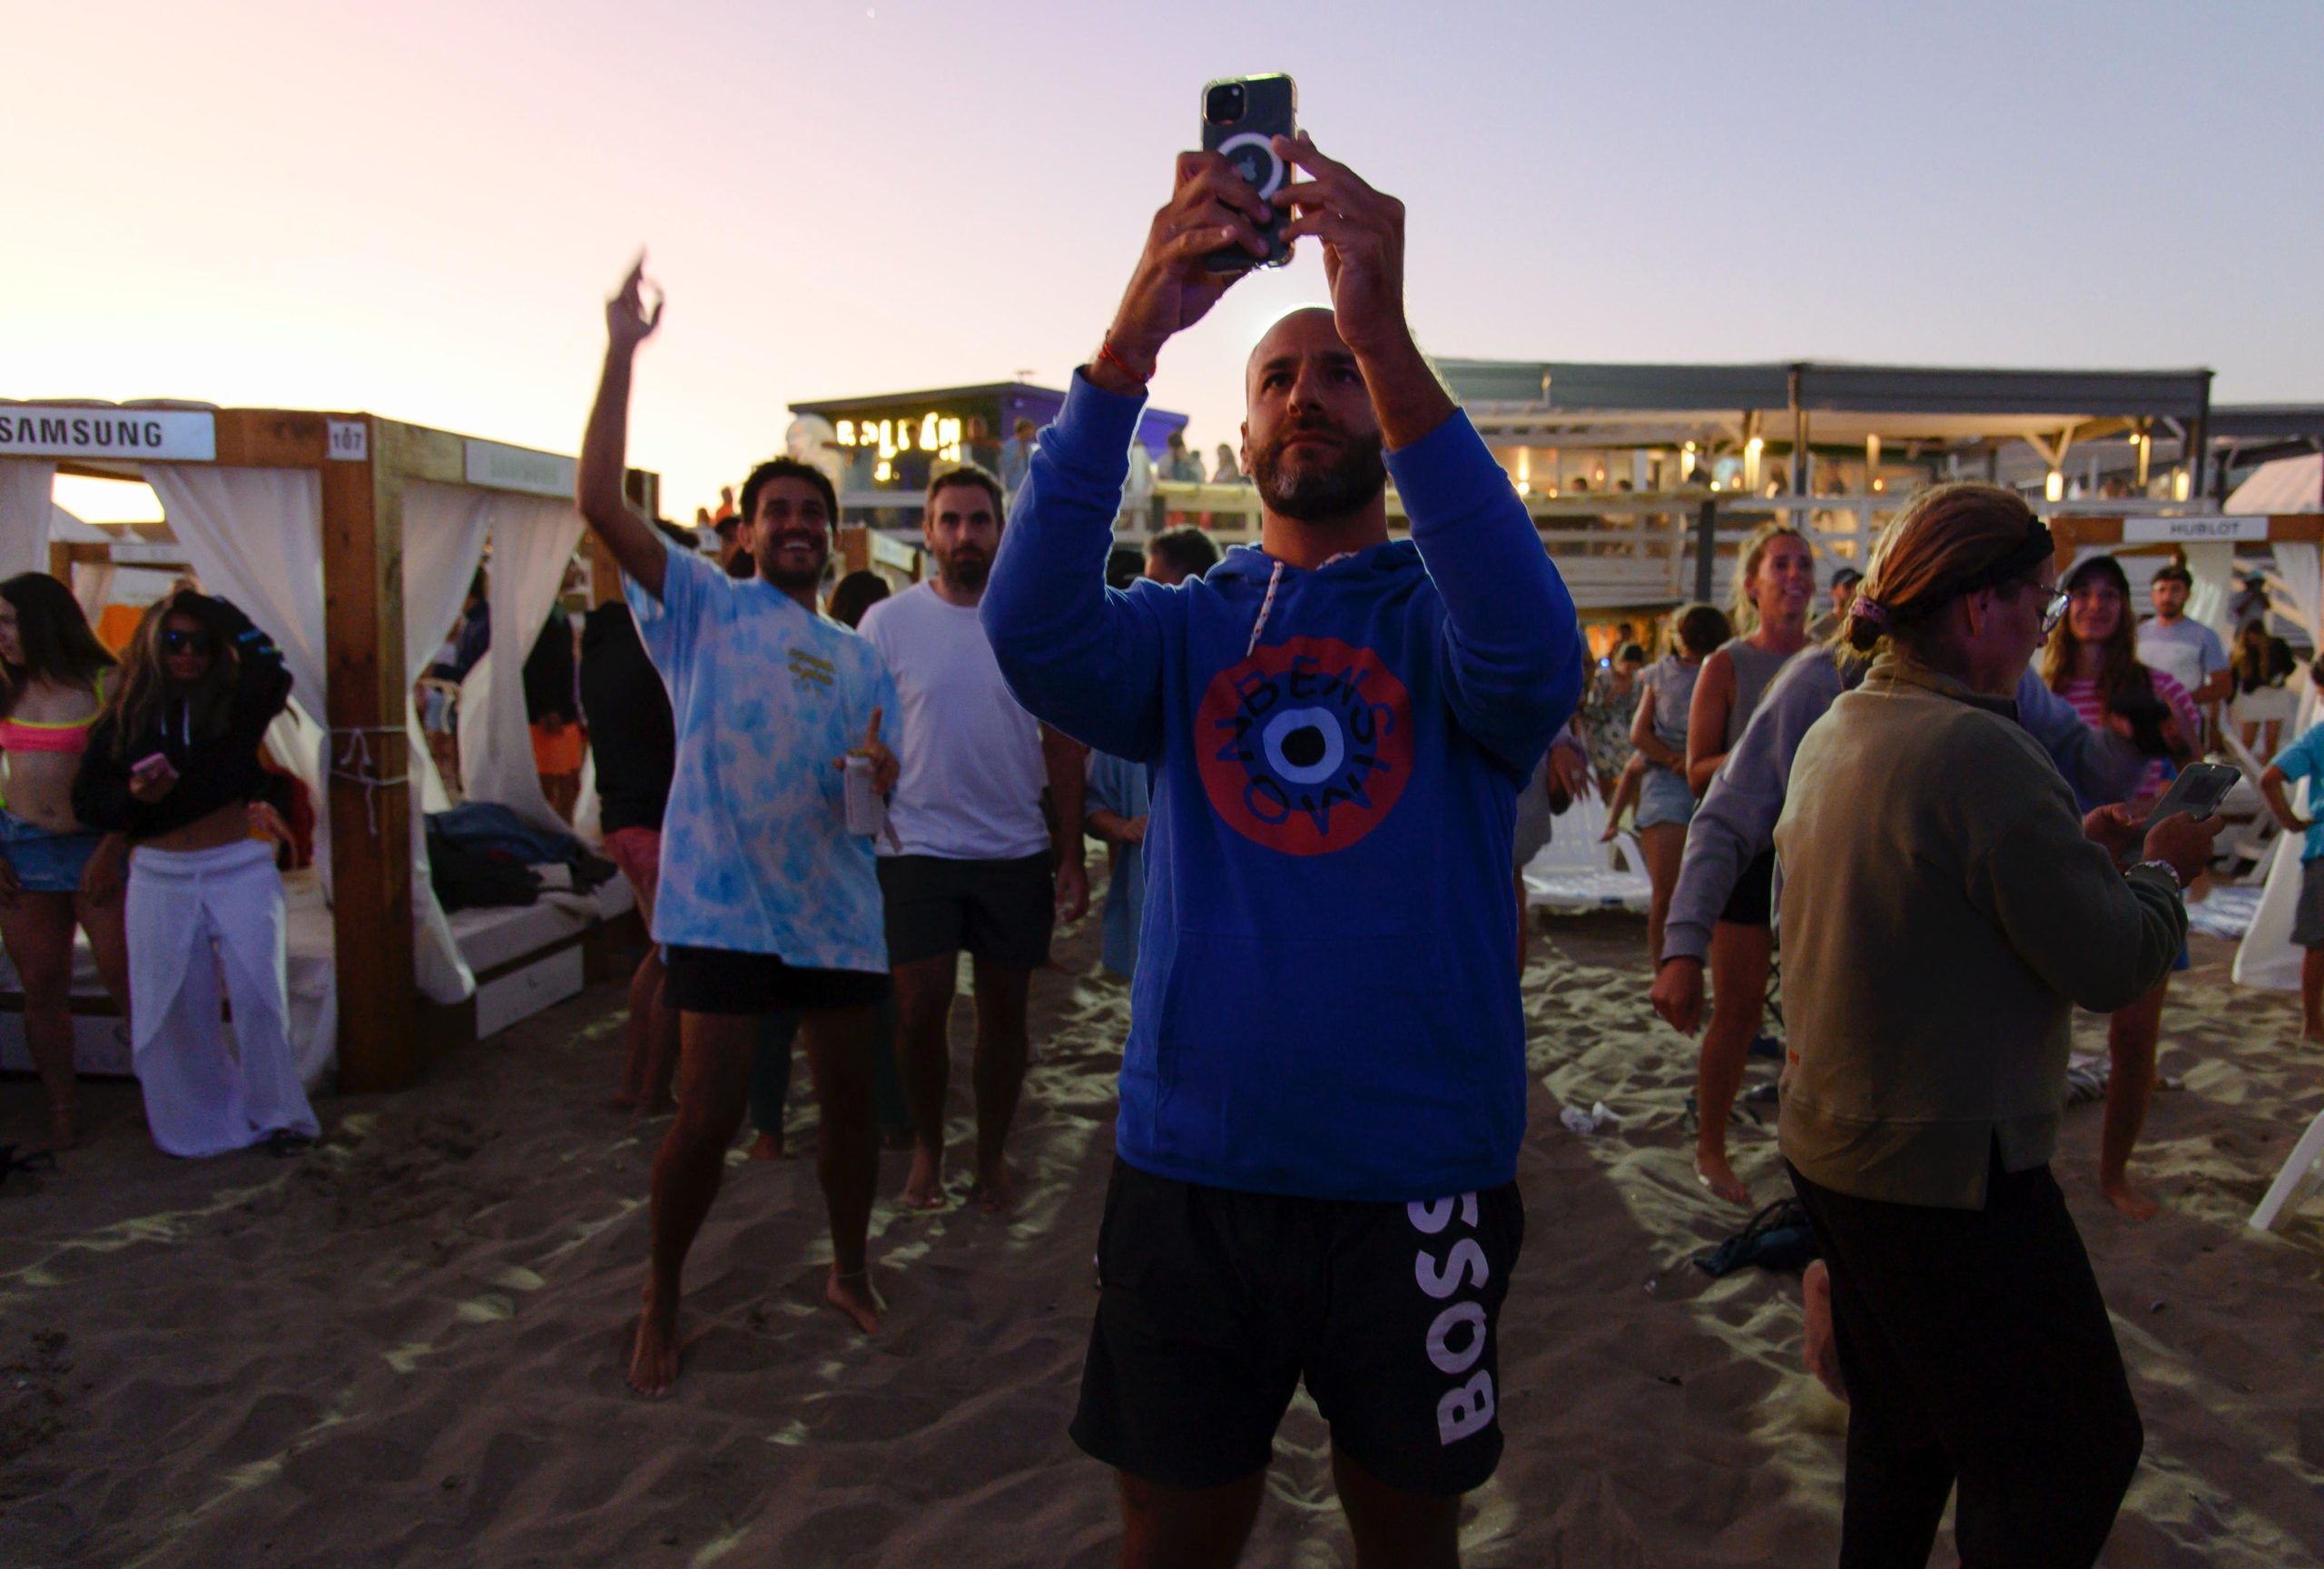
<point>2298,1174</point>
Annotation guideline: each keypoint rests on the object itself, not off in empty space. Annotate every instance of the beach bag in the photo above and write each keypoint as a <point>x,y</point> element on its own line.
<point>1778,1237</point>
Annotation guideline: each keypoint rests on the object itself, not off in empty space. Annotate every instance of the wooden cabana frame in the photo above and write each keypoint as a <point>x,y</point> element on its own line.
<point>2074,533</point>
<point>386,1035</point>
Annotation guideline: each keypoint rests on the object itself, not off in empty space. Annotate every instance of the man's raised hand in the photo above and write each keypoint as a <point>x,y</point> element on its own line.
<point>1211,207</point>
<point>628,322</point>
<point>1362,232</point>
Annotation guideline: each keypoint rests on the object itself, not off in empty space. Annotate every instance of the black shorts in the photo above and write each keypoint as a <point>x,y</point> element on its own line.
<point>1000,911</point>
<point>1753,902</point>
<point>1213,1305</point>
<point>723,980</point>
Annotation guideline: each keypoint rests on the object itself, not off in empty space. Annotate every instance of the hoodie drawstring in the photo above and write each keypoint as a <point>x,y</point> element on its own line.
<point>1266,605</point>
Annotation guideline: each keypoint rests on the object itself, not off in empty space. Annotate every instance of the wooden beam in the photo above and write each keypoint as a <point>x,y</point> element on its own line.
<point>370,823</point>
<point>271,437</point>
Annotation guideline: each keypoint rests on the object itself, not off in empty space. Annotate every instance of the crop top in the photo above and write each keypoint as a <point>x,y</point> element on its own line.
<point>52,735</point>
<point>213,771</point>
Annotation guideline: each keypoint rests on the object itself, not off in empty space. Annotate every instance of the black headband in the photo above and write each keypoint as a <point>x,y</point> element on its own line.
<point>2030,552</point>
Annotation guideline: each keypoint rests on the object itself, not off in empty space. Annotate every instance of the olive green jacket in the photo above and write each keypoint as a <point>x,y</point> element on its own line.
<point>1942,915</point>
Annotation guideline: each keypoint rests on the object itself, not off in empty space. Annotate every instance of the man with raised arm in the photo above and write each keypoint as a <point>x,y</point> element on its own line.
<point>767,902</point>
<point>1323,1089</point>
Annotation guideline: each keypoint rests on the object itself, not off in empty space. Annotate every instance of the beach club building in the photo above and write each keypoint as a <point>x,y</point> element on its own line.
<point>889,443</point>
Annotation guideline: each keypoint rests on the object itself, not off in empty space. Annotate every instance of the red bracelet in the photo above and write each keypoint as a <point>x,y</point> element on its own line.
<point>1109,355</point>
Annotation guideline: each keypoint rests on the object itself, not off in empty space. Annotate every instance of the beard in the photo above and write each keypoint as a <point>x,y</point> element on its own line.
<point>770,567</point>
<point>966,571</point>
<point>1320,492</point>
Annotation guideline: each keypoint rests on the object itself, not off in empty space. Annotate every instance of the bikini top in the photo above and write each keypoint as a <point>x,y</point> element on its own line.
<point>52,735</point>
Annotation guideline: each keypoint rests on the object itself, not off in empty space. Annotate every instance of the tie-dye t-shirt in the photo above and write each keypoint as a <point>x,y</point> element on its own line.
<point>756,853</point>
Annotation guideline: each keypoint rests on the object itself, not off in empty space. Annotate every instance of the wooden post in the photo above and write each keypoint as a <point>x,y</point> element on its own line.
<point>370,822</point>
<point>1706,548</point>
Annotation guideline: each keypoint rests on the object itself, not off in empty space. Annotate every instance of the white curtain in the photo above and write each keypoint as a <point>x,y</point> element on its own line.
<point>93,584</point>
<point>2211,564</point>
<point>444,530</point>
<point>24,488</point>
<point>255,536</point>
<point>532,539</point>
<point>2266,957</point>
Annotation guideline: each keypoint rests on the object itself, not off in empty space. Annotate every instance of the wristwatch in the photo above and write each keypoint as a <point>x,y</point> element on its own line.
<point>2168,870</point>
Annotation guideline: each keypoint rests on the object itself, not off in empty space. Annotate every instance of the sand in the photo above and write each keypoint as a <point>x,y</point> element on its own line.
<point>405,1347</point>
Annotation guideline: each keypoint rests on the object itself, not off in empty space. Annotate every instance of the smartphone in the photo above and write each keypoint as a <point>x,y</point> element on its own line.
<point>1241,115</point>
<point>2198,791</point>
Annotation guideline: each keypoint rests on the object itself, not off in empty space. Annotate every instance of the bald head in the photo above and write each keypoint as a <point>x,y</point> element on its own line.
<point>1296,334</point>
<point>1311,438</point>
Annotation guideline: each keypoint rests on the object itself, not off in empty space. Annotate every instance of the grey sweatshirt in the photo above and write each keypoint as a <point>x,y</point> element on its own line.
<point>1737,820</point>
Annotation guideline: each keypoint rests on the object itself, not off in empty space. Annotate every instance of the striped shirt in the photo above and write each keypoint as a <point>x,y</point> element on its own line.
<point>2082,690</point>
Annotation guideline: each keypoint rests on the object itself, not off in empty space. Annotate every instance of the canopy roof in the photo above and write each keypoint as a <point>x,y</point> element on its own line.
<point>1654,405</point>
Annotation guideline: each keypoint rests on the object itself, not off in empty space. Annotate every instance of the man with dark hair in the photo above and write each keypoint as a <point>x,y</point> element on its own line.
<point>766,901</point>
<point>1844,582</point>
<point>1175,554</point>
<point>2174,642</point>
<point>969,862</point>
<point>1324,1090</point>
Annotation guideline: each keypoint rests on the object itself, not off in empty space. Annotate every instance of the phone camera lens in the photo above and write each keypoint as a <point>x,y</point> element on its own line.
<point>1224,106</point>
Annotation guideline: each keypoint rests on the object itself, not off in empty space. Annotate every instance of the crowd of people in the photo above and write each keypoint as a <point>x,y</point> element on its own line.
<point>823,800</point>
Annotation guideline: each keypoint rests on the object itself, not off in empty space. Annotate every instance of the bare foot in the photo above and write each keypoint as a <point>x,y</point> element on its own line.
<point>767,1145</point>
<point>852,1295</point>
<point>924,1188</point>
<point>653,1355</point>
<point>1713,1173</point>
<point>2127,1199</point>
<point>995,1189</point>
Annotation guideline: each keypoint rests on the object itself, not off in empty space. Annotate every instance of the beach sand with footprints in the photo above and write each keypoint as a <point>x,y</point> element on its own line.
<point>406,1348</point>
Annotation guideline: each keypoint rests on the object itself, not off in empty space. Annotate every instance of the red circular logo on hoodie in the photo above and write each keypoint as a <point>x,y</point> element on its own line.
<point>1305,745</point>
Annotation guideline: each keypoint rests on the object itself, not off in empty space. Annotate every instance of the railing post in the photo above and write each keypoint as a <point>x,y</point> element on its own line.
<point>1706,548</point>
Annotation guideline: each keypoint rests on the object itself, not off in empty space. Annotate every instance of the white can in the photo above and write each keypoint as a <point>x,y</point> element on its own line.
<point>867,814</point>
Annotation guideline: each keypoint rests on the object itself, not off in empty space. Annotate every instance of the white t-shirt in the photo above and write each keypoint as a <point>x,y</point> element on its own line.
<point>970,788</point>
<point>2186,648</point>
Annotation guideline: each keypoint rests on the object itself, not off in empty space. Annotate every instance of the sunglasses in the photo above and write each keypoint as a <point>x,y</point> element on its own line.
<point>175,640</point>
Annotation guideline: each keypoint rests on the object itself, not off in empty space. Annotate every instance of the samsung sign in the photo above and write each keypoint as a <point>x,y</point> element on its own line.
<point>176,435</point>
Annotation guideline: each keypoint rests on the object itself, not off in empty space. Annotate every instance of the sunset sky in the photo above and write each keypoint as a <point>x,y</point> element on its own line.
<point>417,209</point>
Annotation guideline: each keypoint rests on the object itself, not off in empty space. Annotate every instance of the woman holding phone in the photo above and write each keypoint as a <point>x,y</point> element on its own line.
<point>2092,662</point>
<point>1945,907</point>
<point>52,878</point>
<point>172,764</point>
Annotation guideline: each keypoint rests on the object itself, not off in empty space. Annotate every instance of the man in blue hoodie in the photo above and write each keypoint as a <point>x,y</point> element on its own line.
<point>1323,1089</point>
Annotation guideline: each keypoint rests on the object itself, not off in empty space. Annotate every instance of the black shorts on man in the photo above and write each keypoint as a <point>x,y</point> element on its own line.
<point>725,981</point>
<point>999,911</point>
<point>1213,1305</point>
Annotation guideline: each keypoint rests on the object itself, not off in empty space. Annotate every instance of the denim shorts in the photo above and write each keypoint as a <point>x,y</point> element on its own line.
<point>1663,797</point>
<point>45,863</point>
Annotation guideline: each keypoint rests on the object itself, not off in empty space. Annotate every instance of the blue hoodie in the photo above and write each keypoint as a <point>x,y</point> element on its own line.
<point>1326,1001</point>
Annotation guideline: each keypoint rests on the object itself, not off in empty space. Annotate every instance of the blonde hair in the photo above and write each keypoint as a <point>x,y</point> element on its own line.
<point>1949,540</point>
<point>1743,611</point>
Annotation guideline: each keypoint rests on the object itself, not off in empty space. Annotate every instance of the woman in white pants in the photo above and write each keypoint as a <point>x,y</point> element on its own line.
<point>173,766</point>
